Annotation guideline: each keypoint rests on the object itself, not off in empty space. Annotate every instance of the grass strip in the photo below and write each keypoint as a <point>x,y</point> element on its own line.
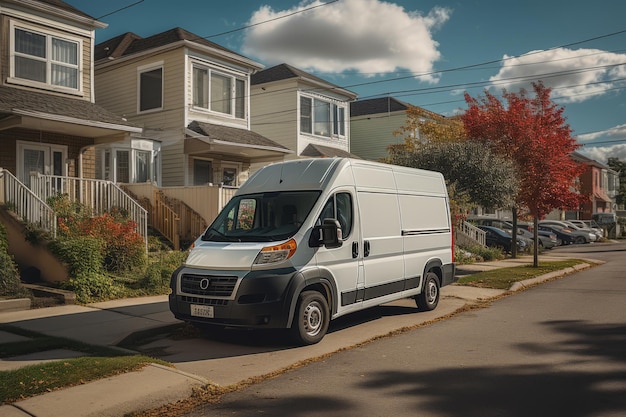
<point>503,278</point>
<point>99,362</point>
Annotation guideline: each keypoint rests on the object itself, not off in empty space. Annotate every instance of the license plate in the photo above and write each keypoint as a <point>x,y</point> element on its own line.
<point>202,311</point>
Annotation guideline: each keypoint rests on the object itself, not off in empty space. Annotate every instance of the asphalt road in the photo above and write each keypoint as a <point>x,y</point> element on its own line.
<point>558,349</point>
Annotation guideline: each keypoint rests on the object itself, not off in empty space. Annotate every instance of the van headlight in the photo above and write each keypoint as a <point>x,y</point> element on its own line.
<point>276,253</point>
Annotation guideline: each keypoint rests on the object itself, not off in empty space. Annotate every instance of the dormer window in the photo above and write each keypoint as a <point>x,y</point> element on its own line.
<point>44,58</point>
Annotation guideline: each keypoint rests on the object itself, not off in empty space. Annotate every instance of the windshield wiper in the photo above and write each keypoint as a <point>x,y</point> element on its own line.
<point>211,232</point>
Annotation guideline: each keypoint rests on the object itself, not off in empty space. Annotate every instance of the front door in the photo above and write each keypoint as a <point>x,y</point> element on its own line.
<point>43,158</point>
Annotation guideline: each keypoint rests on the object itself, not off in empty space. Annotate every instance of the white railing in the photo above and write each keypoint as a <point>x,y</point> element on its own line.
<point>26,204</point>
<point>99,195</point>
<point>226,193</point>
<point>473,233</point>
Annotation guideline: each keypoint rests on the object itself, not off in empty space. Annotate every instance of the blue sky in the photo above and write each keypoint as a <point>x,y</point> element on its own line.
<point>427,53</point>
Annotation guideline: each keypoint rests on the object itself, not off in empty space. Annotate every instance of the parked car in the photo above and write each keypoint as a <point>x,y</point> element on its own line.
<point>498,238</point>
<point>588,224</point>
<point>548,237</point>
<point>566,235</point>
<point>547,240</point>
<point>586,234</point>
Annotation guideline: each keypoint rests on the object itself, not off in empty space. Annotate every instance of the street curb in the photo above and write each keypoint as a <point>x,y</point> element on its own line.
<point>520,285</point>
<point>15,304</point>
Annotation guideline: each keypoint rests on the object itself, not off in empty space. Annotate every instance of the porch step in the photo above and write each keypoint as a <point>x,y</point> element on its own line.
<point>67,297</point>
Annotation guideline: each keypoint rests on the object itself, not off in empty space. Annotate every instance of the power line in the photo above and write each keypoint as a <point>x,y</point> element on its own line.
<point>120,9</point>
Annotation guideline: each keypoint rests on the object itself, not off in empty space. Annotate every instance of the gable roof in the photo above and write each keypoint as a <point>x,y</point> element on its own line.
<point>285,71</point>
<point>21,102</point>
<point>130,43</point>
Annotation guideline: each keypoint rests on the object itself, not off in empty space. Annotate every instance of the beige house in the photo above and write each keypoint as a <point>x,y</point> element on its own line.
<point>302,112</point>
<point>372,122</point>
<point>192,98</point>
<point>49,122</point>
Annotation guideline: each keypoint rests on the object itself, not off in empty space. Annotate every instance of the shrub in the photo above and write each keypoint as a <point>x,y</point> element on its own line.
<point>158,273</point>
<point>84,258</point>
<point>477,253</point>
<point>9,275</point>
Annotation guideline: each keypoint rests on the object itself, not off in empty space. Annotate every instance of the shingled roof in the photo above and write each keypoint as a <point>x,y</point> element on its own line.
<point>285,71</point>
<point>376,106</point>
<point>130,43</point>
<point>234,135</point>
<point>321,151</point>
<point>16,100</point>
<point>66,7</point>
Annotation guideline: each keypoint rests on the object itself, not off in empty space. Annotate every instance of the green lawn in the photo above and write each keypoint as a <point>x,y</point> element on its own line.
<point>505,277</point>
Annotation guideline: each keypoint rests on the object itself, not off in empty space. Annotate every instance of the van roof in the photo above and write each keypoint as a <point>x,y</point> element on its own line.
<point>317,173</point>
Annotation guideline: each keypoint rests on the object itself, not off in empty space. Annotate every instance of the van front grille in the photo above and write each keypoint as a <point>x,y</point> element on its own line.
<point>207,285</point>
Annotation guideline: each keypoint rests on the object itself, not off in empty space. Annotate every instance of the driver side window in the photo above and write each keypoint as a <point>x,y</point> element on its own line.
<point>339,207</point>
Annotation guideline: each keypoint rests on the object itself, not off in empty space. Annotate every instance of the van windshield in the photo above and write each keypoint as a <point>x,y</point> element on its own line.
<point>262,217</point>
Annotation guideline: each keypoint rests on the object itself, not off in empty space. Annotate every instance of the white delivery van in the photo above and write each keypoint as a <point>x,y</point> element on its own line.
<point>306,241</point>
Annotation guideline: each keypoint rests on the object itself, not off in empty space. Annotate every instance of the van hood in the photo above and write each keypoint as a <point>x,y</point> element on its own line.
<point>224,255</point>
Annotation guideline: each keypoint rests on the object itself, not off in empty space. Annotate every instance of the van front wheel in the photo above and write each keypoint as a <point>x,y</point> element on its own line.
<point>428,299</point>
<point>311,319</point>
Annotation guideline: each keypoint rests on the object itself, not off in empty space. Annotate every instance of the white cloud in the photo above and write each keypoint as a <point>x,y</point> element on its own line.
<point>574,75</point>
<point>618,132</point>
<point>603,153</point>
<point>369,36</point>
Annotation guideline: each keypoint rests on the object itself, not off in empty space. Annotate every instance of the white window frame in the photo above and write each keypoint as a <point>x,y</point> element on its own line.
<point>234,98</point>
<point>335,108</point>
<point>49,35</point>
<point>142,70</point>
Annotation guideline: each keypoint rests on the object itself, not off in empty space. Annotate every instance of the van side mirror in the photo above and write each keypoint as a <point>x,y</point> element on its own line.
<point>331,233</point>
<point>327,234</point>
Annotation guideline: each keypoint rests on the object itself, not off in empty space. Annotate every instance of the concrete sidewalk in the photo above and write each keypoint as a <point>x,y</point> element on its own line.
<point>196,362</point>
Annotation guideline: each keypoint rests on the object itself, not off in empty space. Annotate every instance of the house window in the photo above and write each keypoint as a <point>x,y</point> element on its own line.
<point>306,118</point>
<point>219,92</point>
<point>143,165</point>
<point>151,89</point>
<point>45,58</point>
<point>339,122</point>
<point>321,117</point>
<point>229,176</point>
<point>122,168</point>
<point>202,172</point>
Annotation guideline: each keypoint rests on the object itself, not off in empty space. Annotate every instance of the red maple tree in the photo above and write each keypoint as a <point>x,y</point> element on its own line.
<point>534,134</point>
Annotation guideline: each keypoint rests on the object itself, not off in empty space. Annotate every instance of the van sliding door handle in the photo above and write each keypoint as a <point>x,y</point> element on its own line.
<point>366,248</point>
<point>355,249</point>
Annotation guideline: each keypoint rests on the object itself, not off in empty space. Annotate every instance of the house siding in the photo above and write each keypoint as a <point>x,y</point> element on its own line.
<point>274,113</point>
<point>117,91</point>
<point>371,135</point>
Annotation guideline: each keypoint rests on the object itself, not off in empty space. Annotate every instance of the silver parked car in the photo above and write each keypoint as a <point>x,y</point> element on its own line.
<point>588,224</point>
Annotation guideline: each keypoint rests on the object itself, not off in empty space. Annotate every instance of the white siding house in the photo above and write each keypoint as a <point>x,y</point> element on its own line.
<point>302,112</point>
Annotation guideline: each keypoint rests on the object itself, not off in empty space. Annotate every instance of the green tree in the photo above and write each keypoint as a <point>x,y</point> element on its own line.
<point>620,167</point>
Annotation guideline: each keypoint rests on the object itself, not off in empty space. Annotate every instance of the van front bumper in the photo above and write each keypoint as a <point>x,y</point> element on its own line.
<point>258,299</point>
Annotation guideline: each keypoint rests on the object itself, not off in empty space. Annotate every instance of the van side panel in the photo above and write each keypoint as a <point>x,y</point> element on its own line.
<point>380,224</point>
<point>426,232</point>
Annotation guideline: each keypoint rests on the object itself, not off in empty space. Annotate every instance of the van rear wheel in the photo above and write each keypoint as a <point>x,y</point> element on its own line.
<point>311,319</point>
<point>428,299</point>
